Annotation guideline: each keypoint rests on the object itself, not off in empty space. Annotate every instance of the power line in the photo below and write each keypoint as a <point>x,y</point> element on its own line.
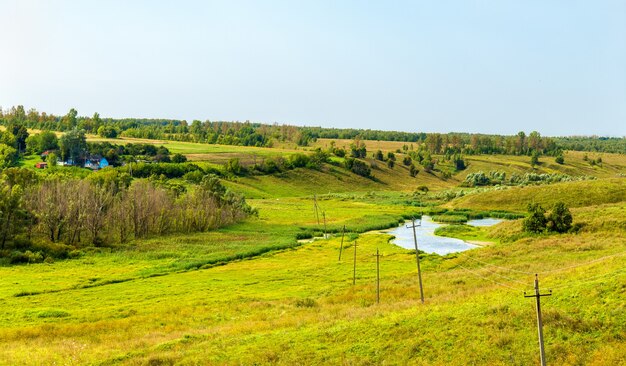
<point>489,279</point>
<point>590,279</point>
<point>503,276</point>
<point>551,270</point>
<point>584,264</point>
<point>505,268</point>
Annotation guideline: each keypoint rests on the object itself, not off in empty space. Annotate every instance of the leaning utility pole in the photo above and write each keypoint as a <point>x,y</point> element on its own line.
<point>315,207</point>
<point>343,231</point>
<point>537,296</point>
<point>324,217</point>
<point>377,276</point>
<point>417,257</point>
<point>354,266</point>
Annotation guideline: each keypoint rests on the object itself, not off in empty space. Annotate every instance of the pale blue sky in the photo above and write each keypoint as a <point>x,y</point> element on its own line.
<point>497,66</point>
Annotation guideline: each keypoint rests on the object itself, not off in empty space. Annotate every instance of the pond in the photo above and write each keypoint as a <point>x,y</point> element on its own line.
<point>428,242</point>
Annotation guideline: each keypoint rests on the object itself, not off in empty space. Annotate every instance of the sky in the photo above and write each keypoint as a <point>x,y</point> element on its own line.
<point>500,66</point>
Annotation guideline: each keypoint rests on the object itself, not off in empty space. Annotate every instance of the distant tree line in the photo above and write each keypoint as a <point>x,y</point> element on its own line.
<point>257,134</point>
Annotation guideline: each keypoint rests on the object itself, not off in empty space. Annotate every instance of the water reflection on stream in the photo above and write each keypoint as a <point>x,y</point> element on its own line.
<point>428,242</point>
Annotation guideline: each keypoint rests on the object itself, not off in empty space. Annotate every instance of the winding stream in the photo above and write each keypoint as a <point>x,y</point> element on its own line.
<point>428,242</point>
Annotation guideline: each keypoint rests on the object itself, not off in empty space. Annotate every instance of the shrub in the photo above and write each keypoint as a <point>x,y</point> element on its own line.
<point>339,152</point>
<point>534,159</point>
<point>378,155</point>
<point>428,164</point>
<point>318,158</point>
<point>559,159</point>
<point>194,177</point>
<point>304,235</point>
<point>536,221</point>
<point>422,189</point>
<point>560,219</point>
<point>299,160</point>
<point>169,170</point>
<point>179,158</point>
<point>358,167</point>
<point>459,163</point>
<point>306,303</point>
<point>234,167</point>
<point>477,179</point>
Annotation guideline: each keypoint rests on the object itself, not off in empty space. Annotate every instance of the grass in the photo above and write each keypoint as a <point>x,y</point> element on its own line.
<point>371,145</point>
<point>250,294</point>
<point>299,306</point>
<point>466,232</point>
<point>573,194</point>
<point>450,219</point>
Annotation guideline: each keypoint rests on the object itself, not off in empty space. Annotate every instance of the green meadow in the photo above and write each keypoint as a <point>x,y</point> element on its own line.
<point>251,293</point>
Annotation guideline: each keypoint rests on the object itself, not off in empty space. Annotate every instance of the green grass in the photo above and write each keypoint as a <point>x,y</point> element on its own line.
<point>450,219</point>
<point>466,232</point>
<point>573,194</point>
<point>299,306</point>
<point>250,294</point>
<point>29,161</point>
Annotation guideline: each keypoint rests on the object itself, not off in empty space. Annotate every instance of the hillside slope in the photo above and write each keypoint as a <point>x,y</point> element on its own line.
<point>573,194</point>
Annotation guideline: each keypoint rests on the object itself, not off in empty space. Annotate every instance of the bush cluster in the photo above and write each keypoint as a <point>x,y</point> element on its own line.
<point>480,178</point>
<point>538,220</point>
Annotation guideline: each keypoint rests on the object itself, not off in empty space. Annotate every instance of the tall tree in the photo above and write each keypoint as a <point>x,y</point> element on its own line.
<point>11,212</point>
<point>21,134</point>
<point>73,145</point>
<point>8,156</point>
<point>69,121</point>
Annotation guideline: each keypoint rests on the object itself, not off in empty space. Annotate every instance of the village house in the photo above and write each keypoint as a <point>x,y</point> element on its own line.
<point>96,162</point>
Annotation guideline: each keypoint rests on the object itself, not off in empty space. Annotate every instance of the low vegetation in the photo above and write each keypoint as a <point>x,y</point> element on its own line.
<point>157,260</point>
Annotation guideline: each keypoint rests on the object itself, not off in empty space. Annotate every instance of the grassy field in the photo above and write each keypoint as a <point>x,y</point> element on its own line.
<point>385,146</point>
<point>251,294</point>
<point>299,306</point>
<point>574,194</point>
<point>612,164</point>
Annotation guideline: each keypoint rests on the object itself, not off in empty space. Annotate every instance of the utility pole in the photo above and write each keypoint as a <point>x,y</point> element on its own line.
<point>417,257</point>
<point>315,207</point>
<point>537,296</point>
<point>377,276</point>
<point>343,231</point>
<point>354,266</point>
<point>324,217</point>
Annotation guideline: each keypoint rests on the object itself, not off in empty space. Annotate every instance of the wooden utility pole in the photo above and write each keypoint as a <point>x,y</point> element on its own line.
<point>354,266</point>
<point>417,257</point>
<point>377,276</point>
<point>315,208</point>
<point>343,231</point>
<point>324,217</point>
<point>538,296</point>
